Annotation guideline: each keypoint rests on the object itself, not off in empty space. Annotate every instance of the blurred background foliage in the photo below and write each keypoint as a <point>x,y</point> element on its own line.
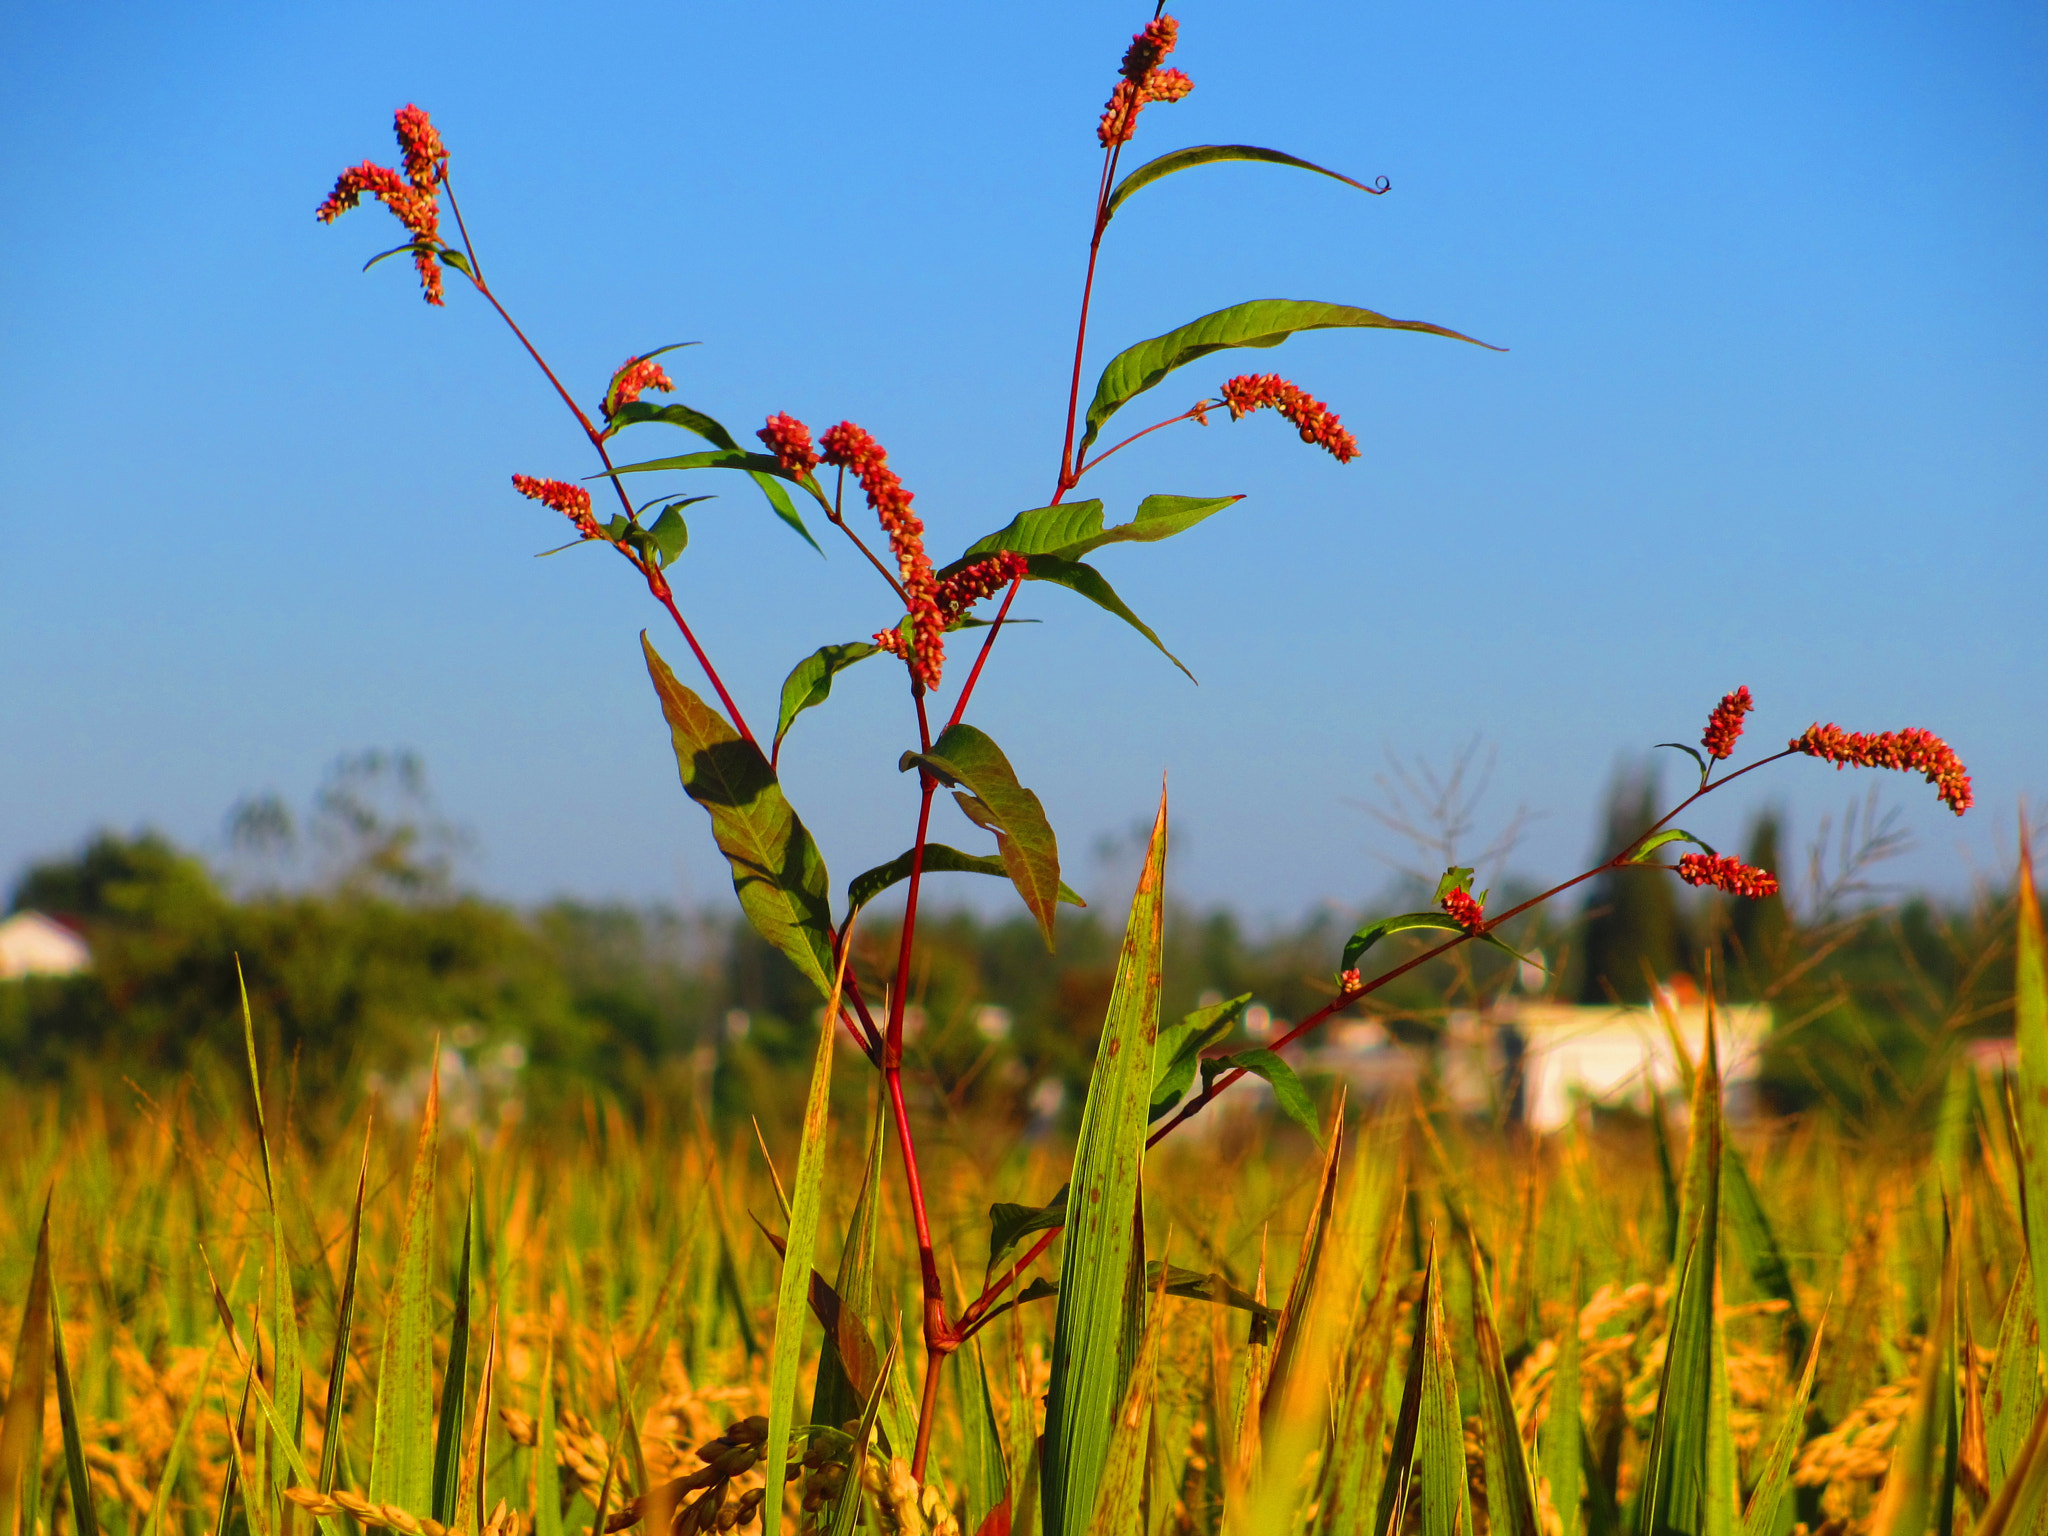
<point>361,949</point>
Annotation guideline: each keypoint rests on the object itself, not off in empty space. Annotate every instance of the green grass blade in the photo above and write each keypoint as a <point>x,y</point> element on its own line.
<point>1561,1434</point>
<point>1440,1443</point>
<point>448,1438</point>
<point>2015,1391</point>
<point>1397,1490</point>
<point>21,1427</point>
<point>793,1295</point>
<point>2030,1016</point>
<point>2015,1508</point>
<point>1095,1258</point>
<point>1758,1240</point>
<point>286,1367</point>
<point>401,1458</point>
<point>835,1399</point>
<point>1351,1483</point>
<point>1294,1327</point>
<point>988,1483</point>
<point>174,1458</point>
<point>846,1511</point>
<point>547,1472</point>
<point>1118,1496</point>
<point>1672,1498</point>
<point>85,1518</point>
<point>344,1331</point>
<point>1908,1501</point>
<point>469,1488</point>
<point>1762,1516</point>
<point>1510,1491</point>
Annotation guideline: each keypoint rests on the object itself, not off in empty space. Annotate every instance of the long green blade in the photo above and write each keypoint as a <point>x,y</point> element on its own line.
<point>1510,1491</point>
<point>344,1331</point>
<point>1762,1516</point>
<point>448,1437</point>
<point>2030,1015</point>
<point>1095,1259</point>
<point>84,1515</point>
<point>1440,1441</point>
<point>793,1294</point>
<point>402,1453</point>
<point>21,1427</point>
<point>1561,1435</point>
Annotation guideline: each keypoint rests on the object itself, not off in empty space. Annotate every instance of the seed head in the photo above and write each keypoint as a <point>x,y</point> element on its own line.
<point>969,585</point>
<point>635,377</point>
<point>852,448</point>
<point>426,158</point>
<point>1912,750</point>
<point>1724,725</point>
<point>572,501</point>
<point>1316,422</point>
<point>1142,81</point>
<point>1727,874</point>
<point>412,198</point>
<point>1464,909</point>
<point>790,441</point>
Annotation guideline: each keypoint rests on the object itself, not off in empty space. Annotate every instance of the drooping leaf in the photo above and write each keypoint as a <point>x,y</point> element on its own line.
<point>810,681</point>
<point>967,757</point>
<point>777,871</point>
<point>1180,1046</point>
<point>1078,576</point>
<point>1288,1093</point>
<point>938,860</point>
<point>640,412</point>
<point>1366,937</point>
<point>793,1294</point>
<point>1073,529</point>
<point>1009,1224</point>
<point>1095,1262</point>
<point>1210,154</point>
<point>669,534</point>
<point>1256,323</point>
<point>1663,839</point>
<point>402,1454</point>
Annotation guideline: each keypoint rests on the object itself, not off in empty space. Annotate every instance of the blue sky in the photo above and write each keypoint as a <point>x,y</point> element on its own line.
<point>1775,410</point>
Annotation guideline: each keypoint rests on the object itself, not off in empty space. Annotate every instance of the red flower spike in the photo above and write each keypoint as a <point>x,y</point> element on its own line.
<point>853,449</point>
<point>1727,874</point>
<point>1316,422</point>
<point>572,501</point>
<point>1724,725</point>
<point>414,202</point>
<point>790,441</point>
<point>426,158</point>
<point>1909,751</point>
<point>635,377</point>
<point>969,585</point>
<point>1350,981</point>
<point>1464,910</point>
<point>1143,81</point>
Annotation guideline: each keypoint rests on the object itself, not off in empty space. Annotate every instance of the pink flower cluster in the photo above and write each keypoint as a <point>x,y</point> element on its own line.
<point>970,584</point>
<point>1724,725</point>
<point>790,441</point>
<point>1727,874</point>
<point>635,377</point>
<point>1463,908</point>
<point>1911,751</point>
<point>572,501</point>
<point>853,449</point>
<point>1143,82</point>
<point>1316,422</point>
<point>413,198</point>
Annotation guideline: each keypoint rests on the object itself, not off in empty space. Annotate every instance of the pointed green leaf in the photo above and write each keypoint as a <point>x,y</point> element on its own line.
<point>777,870</point>
<point>1119,1503</point>
<point>938,860</point>
<point>1908,1500</point>
<point>344,1328</point>
<point>640,412</point>
<point>1510,1489</point>
<point>174,1459</point>
<point>1030,853</point>
<point>1355,1469</point>
<point>2014,1397</point>
<point>402,1454</point>
<point>764,469</point>
<point>85,1518</point>
<point>670,535</point>
<point>284,1315</point>
<point>1758,1241</point>
<point>1210,154</point>
<point>1073,529</point>
<point>448,1436</point>
<point>810,681</point>
<point>793,1295</point>
<point>1180,1048</point>
<point>1095,1260</point>
<point>1257,323</point>
<point>2030,1014</point>
<point>1287,1090</point>
<point>1076,576</point>
<point>1366,937</point>
<point>987,1479</point>
<point>1008,1224</point>
<point>1761,1519</point>
<point>1440,1441</point>
<point>1663,839</point>
<point>1398,1486</point>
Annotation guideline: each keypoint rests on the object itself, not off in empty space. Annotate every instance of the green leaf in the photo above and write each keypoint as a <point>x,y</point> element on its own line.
<point>85,1518</point>
<point>765,470</point>
<point>777,871</point>
<point>670,534</point>
<point>1354,1470</point>
<point>1210,154</point>
<point>1076,576</point>
<point>1679,746</point>
<point>1908,1500</point>
<point>402,1453</point>
<point>287,1365</point>
<point>783,507</point>
<point>1073,529</point>
<point>21,1426</point>
<point>987,1478</point>
<point>1024,838</point>
<point>1363,940</point>
<point>1561,1438</point>
<point>846,1513</point>
<point>1009,1224</point>
<point>2014,1395</point>
<point>938,859</point>
<point>1663,839</point>
<point>174,1459</point>
<point>1287,1090</point>
<point>2030,1014</point>
<point>1440,1442</point>
<point>344,1328</point>
<point>810,681</point>
<point>1761,1519</point>
<point>1397,1488</point>
<point>640,412</point>
<point>793,1295</point>
<point>1257,323</point>
<point>1180,1048</point>
<point>1759,1242</point>
<point>1095,1260</point>
<point>1510,1491</point>
<point>448,1436</point>
<point>1119,1496</point>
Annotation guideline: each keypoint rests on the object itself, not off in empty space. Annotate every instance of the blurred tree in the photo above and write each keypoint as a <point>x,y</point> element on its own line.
<point>1632,928</point>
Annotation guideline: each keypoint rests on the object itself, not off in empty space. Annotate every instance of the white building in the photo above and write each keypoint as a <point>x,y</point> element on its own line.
<point>34,945</point>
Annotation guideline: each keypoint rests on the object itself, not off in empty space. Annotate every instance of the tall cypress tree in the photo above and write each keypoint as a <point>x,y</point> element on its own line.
<point>1632,926</point>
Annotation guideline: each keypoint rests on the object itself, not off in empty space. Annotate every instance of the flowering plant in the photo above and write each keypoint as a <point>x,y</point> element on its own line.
<point>1144,1086</point>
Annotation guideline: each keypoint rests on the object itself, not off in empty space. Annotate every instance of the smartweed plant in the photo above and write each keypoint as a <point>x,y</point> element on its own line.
<point>1148,1081</point>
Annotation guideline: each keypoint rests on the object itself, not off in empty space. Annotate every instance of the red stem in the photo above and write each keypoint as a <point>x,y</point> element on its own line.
<point>988,643</point>
<point>1187,415</point>
<point>977,1313</point>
